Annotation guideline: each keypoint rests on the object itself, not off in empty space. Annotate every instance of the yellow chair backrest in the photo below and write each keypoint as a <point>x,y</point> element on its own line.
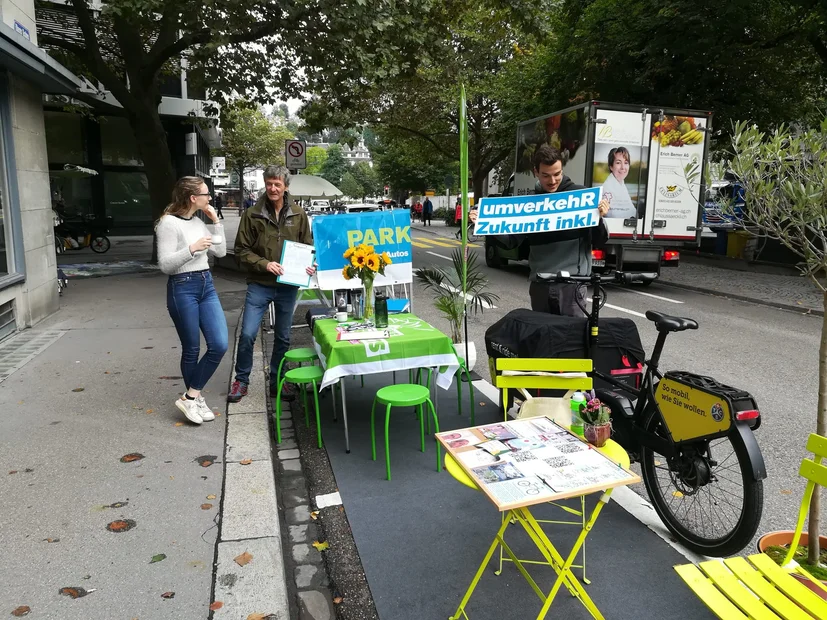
<point>541,382</point>
<point>815,474</point>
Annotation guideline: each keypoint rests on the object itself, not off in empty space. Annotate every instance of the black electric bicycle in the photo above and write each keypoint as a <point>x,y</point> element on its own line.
<point>693,436</point>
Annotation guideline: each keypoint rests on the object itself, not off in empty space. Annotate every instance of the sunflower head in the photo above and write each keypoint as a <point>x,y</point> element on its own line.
<point>349,252</point>
<point>345,274</point>
<point>358,259</point>
<point>366,249</point>
<point>372,261</point>
<point>386,259</point>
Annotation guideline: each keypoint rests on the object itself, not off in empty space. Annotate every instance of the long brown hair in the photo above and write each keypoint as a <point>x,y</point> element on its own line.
<point>184,188</point>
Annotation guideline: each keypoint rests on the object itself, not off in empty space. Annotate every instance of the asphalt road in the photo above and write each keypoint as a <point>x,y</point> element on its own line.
<point>771,353</point>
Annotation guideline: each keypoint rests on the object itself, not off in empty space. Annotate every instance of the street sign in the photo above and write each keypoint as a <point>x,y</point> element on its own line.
<point>219,163</point>
<point>295,154</point>
<point>430,192</point>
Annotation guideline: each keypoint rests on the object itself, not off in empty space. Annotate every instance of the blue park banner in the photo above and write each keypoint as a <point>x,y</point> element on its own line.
<point>532,213</point>
<point>386,231</point>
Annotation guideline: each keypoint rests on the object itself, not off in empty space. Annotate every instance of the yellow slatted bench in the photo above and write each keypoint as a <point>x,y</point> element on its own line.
<point>756,587</point>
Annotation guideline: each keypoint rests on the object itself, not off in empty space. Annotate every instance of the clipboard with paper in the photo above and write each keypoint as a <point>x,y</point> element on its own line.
<point>295,259</point>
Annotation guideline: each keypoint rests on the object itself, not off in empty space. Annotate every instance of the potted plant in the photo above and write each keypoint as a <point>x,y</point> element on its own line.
<point>363,262</point>
<point>597,421</point>
<point>784,178</point>
<point>446,286</point>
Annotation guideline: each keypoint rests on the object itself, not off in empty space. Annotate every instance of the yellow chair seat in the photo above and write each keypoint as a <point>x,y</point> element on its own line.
<point>612,450</point>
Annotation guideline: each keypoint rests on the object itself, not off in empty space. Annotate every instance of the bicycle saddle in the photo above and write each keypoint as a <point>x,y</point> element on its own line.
<point>664,322</point>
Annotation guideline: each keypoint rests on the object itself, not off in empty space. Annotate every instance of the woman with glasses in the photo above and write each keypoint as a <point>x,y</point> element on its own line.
<point>184,243</point>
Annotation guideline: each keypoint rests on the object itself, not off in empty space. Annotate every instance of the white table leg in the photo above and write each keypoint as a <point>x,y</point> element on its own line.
<point>344,416</point>
<point>333,398</point>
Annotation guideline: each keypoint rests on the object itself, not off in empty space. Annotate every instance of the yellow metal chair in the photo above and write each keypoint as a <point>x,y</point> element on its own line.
<point>556,375</point>
<point>735,589</point>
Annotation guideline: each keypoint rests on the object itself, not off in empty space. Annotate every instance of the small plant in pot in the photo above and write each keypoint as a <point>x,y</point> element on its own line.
<point>597,421</point>
<point>446,286</point>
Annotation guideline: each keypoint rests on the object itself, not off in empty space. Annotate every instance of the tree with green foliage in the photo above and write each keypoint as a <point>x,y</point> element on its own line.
<point>408,165</point>
<point>350,186</point>
<point>250,139</point>
<point>262,49</point>
<point>335,165</point>
<point>367,178</point>
<point>316,157</point>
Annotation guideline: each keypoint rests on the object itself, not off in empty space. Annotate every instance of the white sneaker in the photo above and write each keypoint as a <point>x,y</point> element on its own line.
<point>190,409</point>
<point>204,410</point>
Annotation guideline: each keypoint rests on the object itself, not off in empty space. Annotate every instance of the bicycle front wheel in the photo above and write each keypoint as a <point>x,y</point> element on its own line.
<point>706,495</point>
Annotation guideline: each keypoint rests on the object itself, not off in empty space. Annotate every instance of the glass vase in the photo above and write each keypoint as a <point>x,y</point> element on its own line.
<point>369,313</point>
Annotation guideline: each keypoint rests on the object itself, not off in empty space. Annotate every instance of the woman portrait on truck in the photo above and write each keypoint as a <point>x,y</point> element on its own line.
<point>614,187</point>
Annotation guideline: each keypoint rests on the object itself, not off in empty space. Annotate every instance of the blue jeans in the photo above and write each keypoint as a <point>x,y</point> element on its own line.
<point>194,307</point>
<point>255,305</point>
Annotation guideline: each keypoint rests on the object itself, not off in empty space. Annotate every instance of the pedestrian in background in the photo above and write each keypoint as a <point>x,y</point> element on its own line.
<point>258,245</point>
<point>427,212</point>
<point>184,243</point>
<point>219,204</point>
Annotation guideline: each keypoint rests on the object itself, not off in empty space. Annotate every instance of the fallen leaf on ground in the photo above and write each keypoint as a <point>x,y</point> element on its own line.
<point>206,506</point>
<point>51,540</point>
<point>179,424</point>
<point>146,347</point>
<point>217,605</point>
<point>78,390</point>
<point>21,611</point>
<point>314,515</point>
<point>245,462</point>
<point>337,599</point>
<point>258,616</point>
<point>131,457</point>
<point>206,460</point>
<point>321,546</point>
<point>149,410</point>
<point>482,404</point>
<point>168,595</point>
<point>121,525</point>
<point>13,471</point>
<point>158,558</point>
<point>74,592</point>
<point>786,492</point>
<point>244,559</point>
<point>210,496</point>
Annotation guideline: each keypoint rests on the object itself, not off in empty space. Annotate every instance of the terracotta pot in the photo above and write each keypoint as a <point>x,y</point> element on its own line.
<point>598,435</point>
<point>785,537</point>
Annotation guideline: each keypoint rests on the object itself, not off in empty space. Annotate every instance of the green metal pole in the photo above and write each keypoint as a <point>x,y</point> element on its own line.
<point>463,180</point>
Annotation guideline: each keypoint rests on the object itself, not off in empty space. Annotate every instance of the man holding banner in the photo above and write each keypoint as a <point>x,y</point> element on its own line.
<point>563,230</point>
<point>258,247</point>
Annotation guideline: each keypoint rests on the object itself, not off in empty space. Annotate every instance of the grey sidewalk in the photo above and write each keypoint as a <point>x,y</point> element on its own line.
<point>92,384</point>
<point>736,279</point>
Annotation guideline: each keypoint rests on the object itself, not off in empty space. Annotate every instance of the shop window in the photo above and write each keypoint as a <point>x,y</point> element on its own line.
<point>64,138</point>
<point>71,192</point>
<point>127,198</point>
<point>118,145</point>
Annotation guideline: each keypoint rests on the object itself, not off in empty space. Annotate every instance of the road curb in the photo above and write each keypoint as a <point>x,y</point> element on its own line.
<point>761,302</point>
<point>249,517</point>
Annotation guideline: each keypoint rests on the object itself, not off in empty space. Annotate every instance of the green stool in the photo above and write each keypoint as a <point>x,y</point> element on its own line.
<point>304,354</point>
<point>403,395</point>
<point>301,376</point>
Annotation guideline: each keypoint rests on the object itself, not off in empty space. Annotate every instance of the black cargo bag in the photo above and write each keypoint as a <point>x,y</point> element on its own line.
<point>525,334</point>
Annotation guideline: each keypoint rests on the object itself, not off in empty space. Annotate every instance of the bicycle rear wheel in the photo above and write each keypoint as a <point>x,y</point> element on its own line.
<point>706,495</point>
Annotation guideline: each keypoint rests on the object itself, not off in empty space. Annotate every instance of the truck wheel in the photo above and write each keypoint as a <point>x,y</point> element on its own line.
<point>492,259</point>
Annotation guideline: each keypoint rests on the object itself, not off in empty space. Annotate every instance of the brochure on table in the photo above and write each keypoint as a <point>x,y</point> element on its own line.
<point>524,462</point>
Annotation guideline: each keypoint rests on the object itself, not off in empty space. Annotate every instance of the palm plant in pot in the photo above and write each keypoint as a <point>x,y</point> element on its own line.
<point>784,177</point>
<point>446,287</point>
<point>597,421</point>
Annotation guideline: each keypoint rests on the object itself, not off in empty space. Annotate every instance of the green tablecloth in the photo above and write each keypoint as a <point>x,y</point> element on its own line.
<point>413,344</point>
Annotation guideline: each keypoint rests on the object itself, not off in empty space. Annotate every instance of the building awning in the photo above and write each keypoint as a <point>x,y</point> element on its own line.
<point>25,59</point>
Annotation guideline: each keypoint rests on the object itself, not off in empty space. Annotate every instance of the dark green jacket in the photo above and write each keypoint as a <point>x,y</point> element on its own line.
<point>260,237</point>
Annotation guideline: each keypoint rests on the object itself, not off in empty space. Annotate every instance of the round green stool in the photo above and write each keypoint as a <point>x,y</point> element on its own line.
<point>299,355</point>
<point>301,376</point>
<point>402,395</point>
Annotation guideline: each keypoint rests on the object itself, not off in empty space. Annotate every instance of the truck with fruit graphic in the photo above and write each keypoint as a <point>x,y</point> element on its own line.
<point>650,162</point>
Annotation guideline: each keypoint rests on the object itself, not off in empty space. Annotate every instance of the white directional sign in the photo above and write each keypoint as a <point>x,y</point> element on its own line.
<point>295,154</point>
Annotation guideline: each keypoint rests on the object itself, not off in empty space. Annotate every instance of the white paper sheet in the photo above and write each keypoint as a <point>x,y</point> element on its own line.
<point>295,259</point>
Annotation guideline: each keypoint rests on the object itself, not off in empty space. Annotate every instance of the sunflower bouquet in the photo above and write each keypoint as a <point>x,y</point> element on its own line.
<point>364,262</point>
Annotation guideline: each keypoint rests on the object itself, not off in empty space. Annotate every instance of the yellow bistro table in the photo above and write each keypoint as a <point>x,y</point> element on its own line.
<point>468,459</point>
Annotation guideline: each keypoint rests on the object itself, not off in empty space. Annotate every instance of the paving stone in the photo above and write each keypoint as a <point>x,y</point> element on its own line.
<point>248,437</point>
<point>287,444</point>
<point>258,587</point>
<point>295,497</point>
<point>310,576</point>
<point>315,606</point>
<point>292,465</point>
<point>298,533</point>
<point>288,454</point>
<point>299,514</point>
<point>301,553</point>
<point>250,506</point>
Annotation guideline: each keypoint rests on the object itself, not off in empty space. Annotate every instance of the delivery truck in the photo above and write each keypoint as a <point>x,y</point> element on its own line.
<point>650,162</point>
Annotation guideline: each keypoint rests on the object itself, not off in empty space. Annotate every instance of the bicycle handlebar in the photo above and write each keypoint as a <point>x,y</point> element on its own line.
<point>596,278</point>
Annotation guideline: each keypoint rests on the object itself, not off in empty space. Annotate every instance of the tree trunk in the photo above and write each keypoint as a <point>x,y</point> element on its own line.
<point>821,428</point>
<point>477,184</point>
<point>154,150</point>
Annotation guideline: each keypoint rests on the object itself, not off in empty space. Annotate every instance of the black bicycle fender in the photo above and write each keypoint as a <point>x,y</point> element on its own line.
<point>756,459</point>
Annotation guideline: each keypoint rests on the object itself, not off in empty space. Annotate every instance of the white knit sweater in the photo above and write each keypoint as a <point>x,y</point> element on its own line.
<point>175,234</point>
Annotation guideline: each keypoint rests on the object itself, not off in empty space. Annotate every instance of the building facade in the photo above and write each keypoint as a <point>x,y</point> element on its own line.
<point>28,289</point>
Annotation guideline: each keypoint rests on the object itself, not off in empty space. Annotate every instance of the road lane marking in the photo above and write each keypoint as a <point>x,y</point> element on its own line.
<point>671,301</point>
<point>619,309</point>
<point>440,255</point>
<point>439,243</point>
<point>417,244</point>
